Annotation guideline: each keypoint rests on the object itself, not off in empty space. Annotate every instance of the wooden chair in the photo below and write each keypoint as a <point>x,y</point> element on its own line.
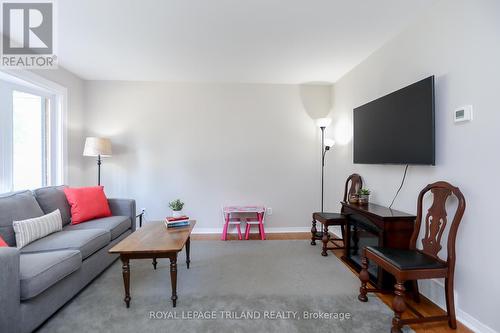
<point>352,185</point>
<point>415,264</point>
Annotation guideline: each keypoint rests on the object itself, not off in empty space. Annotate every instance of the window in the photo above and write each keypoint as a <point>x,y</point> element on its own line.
<point>29,143</point>
<point>30,137</point>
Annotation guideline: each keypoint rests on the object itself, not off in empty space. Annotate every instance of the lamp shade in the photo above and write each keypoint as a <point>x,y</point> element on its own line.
<point>97,146</point>
<point>329,142</point>
<point>323,122</point>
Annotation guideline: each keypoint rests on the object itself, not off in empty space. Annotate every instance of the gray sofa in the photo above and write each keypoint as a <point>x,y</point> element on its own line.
<point>36,280</point>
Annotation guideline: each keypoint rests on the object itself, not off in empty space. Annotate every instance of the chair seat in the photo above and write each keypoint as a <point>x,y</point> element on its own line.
<point>252,220</point>
<point>329,218</point>
<point>234,220</point>
<point>406,259</point>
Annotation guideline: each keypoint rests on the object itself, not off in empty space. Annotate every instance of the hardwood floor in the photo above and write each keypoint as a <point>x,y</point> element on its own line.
<point>425,307</point>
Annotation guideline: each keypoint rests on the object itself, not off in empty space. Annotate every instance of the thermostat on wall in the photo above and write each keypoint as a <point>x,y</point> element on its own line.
<point>463,113</point>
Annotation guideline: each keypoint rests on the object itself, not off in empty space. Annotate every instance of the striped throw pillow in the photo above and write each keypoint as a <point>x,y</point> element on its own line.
<point>30,230</point>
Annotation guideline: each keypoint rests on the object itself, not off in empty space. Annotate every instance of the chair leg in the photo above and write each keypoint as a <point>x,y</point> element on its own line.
<point>325,241</point>
<point>247,232</point>
<point>399,306</point>
<point>224,232</point>
<point>262,232</point>
<point>239,231</point>
<point>364,277</point>
<point>224,229</point>
<point>313,232</point>
<point>450,302</point>
<point>342,230</point>
<point>415,292</point>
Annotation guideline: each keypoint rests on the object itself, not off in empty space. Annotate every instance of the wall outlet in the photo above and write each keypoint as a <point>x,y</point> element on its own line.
<point>269,211</point>
<point>143,210</point>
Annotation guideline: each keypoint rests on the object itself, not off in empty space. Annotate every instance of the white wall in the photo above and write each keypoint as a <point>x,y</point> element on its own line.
<point>208,144</point>
<point>458,42</point>
<point>74,121</point>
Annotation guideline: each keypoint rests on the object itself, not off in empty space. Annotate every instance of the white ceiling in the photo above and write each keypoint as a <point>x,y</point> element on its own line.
<point>265,41</point>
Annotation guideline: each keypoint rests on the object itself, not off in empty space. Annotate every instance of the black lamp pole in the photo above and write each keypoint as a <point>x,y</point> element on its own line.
<point>323,153</point>
<point>99,170</point>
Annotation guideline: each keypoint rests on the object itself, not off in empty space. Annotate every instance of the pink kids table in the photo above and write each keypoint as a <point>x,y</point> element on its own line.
<point>257,220</point>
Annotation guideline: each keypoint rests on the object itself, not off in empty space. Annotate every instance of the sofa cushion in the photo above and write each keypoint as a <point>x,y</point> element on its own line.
<point>116,225</point>
<point>28,231</point>
<point>86,241</point>
<point>52,198</point>
<point>16,206</point>
<point>39,271</point>
<point>2,242</point>
<point>87,203</point>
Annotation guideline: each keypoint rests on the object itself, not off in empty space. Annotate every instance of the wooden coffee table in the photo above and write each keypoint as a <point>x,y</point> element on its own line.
<point>154,241</point>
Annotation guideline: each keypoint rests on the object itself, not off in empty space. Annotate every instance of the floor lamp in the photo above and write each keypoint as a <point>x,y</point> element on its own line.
<point>97,147</point>
<point>326,144</point>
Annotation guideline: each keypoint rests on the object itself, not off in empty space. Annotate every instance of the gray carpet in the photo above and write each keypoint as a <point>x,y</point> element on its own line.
<point>228,279</point>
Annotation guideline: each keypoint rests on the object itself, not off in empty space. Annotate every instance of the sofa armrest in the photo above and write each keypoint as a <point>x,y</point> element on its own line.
<point>10,290</point>
<point>123,207</point>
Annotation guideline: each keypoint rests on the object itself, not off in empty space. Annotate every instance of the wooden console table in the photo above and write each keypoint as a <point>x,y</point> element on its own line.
<point>375,225</point>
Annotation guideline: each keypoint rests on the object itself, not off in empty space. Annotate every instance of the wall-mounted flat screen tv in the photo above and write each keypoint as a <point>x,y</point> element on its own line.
<point>397,128</point>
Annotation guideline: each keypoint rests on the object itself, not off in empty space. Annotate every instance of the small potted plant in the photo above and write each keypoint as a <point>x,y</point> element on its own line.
<point>176,207</point>
<point>364,195</point>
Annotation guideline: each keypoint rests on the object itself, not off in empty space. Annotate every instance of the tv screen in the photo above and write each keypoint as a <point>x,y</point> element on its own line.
<point>397,128</point>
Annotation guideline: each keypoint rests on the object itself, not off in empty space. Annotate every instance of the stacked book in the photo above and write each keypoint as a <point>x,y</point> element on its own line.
<point>175,222</point>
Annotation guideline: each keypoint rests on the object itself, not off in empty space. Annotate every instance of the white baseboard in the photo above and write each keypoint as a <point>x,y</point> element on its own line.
<point>434,291</point>
<point>472,323</point>
<point>232,230</point>
<point>336,231</point>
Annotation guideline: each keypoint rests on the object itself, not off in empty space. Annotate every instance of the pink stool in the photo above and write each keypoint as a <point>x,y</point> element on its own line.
<point>258,221</point>
<point>228,220</point>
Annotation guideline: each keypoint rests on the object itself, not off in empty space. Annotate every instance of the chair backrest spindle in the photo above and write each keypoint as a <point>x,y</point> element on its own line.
<point>436,219</point>
<point>356,185</point>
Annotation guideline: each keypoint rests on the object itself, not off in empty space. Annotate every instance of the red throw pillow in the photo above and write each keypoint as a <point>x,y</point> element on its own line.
<point>87,203</point>
<point>2,242</point>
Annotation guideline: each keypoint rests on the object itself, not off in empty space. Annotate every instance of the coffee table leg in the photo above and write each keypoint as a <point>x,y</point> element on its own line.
<point>154,263</point>
<point>188,245</point>
<point>173,278</point>
<point>126,279</point>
